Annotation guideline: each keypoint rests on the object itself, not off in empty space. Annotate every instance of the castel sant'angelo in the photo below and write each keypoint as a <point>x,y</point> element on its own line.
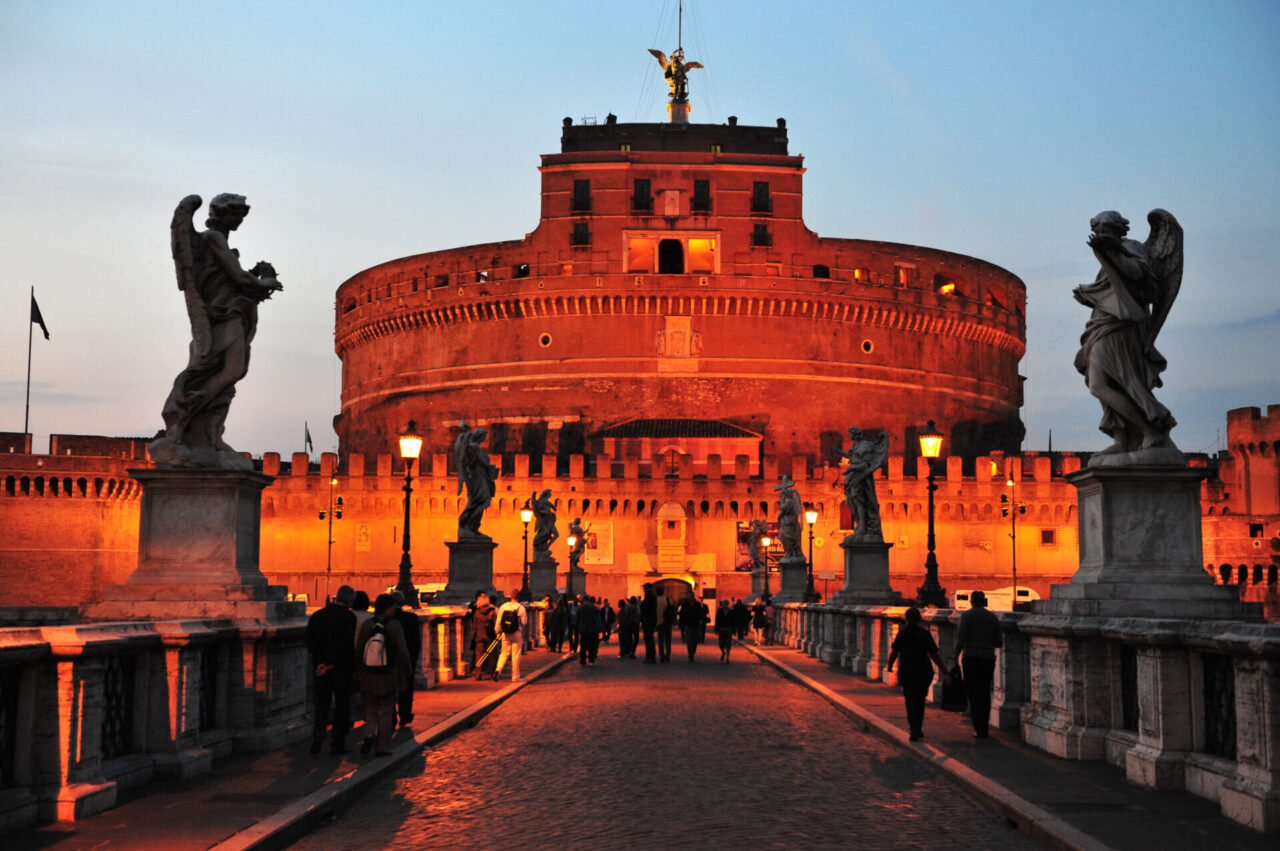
<point>668,342</point>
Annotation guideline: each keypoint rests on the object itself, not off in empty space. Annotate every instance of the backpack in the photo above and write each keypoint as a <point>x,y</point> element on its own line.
<point>378,650</point>
<point>510,622</point>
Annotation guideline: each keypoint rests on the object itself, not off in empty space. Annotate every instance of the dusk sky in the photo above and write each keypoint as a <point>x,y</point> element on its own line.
<point>365,132</point>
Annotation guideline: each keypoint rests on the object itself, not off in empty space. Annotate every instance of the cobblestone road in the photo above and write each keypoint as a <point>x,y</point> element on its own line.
<point>666,756</point>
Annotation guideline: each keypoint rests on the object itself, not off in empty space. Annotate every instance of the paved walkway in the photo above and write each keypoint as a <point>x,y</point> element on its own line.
<point>242,790</point>
<point>630,755</point>
<point>1087,804</point>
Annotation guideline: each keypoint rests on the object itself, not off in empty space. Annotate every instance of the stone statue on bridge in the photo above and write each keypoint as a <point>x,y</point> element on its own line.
<point>475,471</point>
<point>1130,299</point>
<point>544,524</point>
<point>222,305</point>
<point>864,457</point>
<point>758,529</point>
<point>579,536</point>
<point>789,508</point>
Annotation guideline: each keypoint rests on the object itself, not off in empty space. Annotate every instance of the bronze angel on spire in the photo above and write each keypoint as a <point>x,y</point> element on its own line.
<point>676,71</point>
<point>1130,298</point>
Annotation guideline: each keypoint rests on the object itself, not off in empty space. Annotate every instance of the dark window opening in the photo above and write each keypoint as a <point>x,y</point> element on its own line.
<point>1048,536</point>
<point>482,277</point>
<point>760,235</point>
<point>821,271</point>
<point>581,196</point>
<point>642,199</point>
<point>520,270</point>
<point>442,280</point>
<point>581,234</point>
<point>1255,530</point>
<point>670,257</point>
<point>701,202</point>
<point>760,200</point>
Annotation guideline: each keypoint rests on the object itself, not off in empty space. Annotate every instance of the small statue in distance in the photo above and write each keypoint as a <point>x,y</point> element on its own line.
<point>476,472</point>
<point>789,508</point>
<point>865,457</point>
<point>1130,299</point>
<point>544,524</point>
<point>579,547</point>
<point>759,529</point>
<point>222,305</point>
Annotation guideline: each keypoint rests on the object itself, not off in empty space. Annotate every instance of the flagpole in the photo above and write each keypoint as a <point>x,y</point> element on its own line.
<point>26,417</point>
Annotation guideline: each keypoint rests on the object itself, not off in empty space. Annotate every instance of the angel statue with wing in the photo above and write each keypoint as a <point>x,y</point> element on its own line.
<point>865,457</point>
<point>475,471</point>
<point>222,304</point>
<point>1130,298</point>
<point>545,532</point>
<point>676,71</point>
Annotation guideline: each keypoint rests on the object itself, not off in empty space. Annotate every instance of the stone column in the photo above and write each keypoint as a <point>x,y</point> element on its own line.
<point>866,575</point>
<point>470,570</point>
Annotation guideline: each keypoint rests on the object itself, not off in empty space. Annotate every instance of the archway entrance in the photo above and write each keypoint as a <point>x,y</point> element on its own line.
<point>673,588</point>
<point>670,257</point>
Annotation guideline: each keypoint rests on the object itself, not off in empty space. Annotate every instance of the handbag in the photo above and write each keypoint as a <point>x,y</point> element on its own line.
<point>954,696</point>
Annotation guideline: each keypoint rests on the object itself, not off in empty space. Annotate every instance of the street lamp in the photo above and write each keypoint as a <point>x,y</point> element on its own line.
<point>811,594</point>
<point>334,512</point>
<point>765,542</point>
<point>526,594</point>
<point>410,446</point>
<point>931,593</point>
<point>568,582</point>
<point>1011,508</point>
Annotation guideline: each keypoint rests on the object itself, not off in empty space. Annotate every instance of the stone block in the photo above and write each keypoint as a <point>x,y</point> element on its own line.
<point>355,465</point>
<point>604,466</point>
<point>521,465</point>
<point>470,570</point>
<point>542,577</point>
<point>299,464</point>
<point>271,463</point>
<point>741,467</point>
<point>866,575</point>
<point>576,464</point>
<point>714,466</point>
<point>76,801</point>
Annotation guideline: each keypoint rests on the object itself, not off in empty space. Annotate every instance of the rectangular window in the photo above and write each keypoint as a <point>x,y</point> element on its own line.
<point>760,235</point>
<point>701,202</point>
<point>702,255</point>
<point>581,196</point>
<point>625,146</point>
<point>715,148</point>
<point>581,234</point>
<point>639,255</point>
<point>760,200</point>
<point>641,198</point>
<point>1048,537</point>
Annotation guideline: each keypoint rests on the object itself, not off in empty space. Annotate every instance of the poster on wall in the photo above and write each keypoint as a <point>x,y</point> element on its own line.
<point>364,537</point>
<point>742,554</point>
<point>599,544</point>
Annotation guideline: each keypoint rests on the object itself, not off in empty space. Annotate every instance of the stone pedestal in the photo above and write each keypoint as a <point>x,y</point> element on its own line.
<point>197,551</point>
<point>470,570</point>
<point>542,577</point>
<point>866,575</point>
<point>577,580</point>
<point>793,579</point>
<point>1140,549</point>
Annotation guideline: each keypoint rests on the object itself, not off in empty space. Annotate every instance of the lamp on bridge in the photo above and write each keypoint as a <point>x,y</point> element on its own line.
<point>765,542</point>
<point>931,593</point>
<point>568,582</point>
<point>334,512</point>
<point>410,447</point>
<point>811,594</point>
<point>526,514</point>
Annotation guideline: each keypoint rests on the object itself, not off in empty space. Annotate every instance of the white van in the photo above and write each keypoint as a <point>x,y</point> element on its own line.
<point>998,599</point>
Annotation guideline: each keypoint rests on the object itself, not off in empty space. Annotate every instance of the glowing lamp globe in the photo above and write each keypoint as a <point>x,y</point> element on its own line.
<point>930,441</point>
<point>525,515</point>
<point>410,442</point>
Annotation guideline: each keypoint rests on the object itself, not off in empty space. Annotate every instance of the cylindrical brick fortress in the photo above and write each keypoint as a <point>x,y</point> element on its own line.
<point>672,276</point>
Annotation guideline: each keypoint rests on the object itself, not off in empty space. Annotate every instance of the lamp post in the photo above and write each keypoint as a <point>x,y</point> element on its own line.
<point>334,512</point>
<point>1011,508</point>
<point>526,594</point>
<point>810,593</point>
<point>568,582</point>
<point>765,542</point>
<point>410,446</point>
<point>931,593</point>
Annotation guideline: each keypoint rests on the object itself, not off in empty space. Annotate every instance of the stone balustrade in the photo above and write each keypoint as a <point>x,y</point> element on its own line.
<point>1178,704</point>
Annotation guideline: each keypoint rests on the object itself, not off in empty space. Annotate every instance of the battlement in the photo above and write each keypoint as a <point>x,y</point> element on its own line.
<point>1249,430</point>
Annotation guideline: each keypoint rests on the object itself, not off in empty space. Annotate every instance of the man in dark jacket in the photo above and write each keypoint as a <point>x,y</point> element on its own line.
<point>977,638</point>
<point>484,631</point>
<point>741,619</point>
<point>413,640</point>
<point>589,626</point>
<point>649,622</point>
<point>331,640</point>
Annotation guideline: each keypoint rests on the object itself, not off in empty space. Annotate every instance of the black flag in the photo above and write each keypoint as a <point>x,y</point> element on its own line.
<point>36,317</point>
<point>306,438</point>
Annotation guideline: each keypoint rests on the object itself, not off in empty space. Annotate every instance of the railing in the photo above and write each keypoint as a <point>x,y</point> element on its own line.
<point>1077,687</point>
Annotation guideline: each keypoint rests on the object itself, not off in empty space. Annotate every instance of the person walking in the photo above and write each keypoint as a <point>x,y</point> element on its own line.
<point>483,632</point>
<point>758,622</point>
<point>574,605</point>
<point>628,627</point>
<point>741,618</point>
<point>608,617</point>
<point>726,626</point>
<point>382,667</point>
<point>691,618</point>
<point>559,624</point>
<point>915,647</point>
<point>589,631</point>
<point>413,640</point>
<point>512,620</point>
<point>666,623</point>
<point>648,621</point>
<point>331,638</point>
<point>977,639</point>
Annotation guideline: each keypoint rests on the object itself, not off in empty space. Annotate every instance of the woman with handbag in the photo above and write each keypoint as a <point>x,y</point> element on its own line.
<point>915,647</point>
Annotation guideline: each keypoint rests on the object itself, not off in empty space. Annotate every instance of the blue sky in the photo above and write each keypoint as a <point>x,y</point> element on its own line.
<point>365,132</point>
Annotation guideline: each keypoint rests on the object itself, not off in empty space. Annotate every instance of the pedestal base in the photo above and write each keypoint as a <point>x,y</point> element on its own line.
<point>1140,549</point>
<point>470,570</point>
<point>576,581</point>
<point>198,544</point>
<point>866,575</point>
<point>793,580</point>
<point>542,577</point>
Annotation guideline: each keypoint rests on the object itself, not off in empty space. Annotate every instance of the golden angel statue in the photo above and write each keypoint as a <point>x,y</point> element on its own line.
<point>676,71</point>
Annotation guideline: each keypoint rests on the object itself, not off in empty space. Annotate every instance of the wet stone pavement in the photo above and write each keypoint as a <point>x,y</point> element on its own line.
<point>674,755</point>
